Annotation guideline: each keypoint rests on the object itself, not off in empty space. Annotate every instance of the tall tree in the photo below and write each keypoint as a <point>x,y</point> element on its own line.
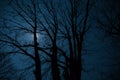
<point>64,27</point>
<point>70,28</point>
<point>75,30</point>
<point>10,36</point>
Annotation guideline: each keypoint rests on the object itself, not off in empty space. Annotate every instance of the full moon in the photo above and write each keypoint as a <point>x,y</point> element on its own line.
<point>30,37</point>
<point>37,34</point>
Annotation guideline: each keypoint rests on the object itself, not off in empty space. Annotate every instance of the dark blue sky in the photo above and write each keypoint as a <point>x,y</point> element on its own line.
<point>106,51</point>
<point>3,3</point>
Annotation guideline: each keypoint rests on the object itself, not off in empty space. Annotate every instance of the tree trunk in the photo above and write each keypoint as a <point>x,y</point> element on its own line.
<point>37,58</point>
<point>54,64</point>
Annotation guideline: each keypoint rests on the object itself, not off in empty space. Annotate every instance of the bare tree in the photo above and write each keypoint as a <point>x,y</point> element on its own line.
<point>75,29</point>
<point>64,27</point>
<point>12,37</point>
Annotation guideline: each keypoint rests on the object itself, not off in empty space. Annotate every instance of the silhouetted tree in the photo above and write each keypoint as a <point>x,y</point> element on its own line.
<point>75,27</point>
<point>11,36</point>
<point>64,27</point>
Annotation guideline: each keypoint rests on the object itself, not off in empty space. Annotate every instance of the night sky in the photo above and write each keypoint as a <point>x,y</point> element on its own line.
<point>101,61</point>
